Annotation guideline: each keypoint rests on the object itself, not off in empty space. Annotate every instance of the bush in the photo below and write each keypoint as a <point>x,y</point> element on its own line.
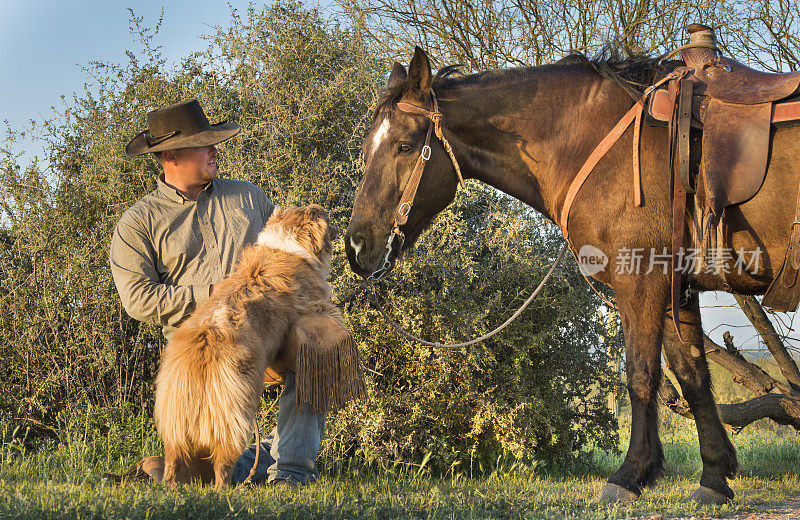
<point>302,90</point>
<point>531,393</point>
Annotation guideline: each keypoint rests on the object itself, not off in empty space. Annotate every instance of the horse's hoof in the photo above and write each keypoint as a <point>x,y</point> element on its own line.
<point>614,494</point>
<point>705,496</point>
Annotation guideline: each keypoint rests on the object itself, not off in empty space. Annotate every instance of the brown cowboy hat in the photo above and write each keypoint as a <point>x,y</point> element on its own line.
<point>180,125</point>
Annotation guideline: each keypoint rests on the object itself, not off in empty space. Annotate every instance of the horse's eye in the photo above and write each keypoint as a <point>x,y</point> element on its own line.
<point>405,147</point>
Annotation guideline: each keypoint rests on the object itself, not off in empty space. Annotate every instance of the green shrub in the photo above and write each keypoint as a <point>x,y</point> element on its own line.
<point>302,89</point>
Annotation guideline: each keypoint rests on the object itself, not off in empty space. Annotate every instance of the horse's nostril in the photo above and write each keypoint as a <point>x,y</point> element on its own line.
<point>357,244</point>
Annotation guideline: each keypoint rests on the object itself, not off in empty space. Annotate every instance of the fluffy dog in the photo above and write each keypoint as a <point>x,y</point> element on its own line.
<point>208,389</point>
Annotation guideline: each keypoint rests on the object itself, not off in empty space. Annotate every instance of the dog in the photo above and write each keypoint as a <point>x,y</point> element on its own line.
<point>208,389</point>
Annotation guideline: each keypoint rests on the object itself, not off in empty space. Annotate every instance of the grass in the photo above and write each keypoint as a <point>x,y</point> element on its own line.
<point>64,480</point>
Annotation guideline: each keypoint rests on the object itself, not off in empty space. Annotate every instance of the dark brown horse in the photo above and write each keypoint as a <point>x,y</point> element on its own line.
<point>527,132</point>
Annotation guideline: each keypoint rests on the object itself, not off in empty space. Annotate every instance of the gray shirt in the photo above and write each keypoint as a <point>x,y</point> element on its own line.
<point>167,250</point>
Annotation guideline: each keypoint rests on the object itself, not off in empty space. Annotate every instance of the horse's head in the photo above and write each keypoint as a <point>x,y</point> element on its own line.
<point>391,150</point>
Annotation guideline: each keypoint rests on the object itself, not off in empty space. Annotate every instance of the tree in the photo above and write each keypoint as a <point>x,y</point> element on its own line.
<point>299,86</point>
<point>502,33</point>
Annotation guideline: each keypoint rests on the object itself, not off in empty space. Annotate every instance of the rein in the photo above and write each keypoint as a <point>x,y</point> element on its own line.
<point>486,336</point>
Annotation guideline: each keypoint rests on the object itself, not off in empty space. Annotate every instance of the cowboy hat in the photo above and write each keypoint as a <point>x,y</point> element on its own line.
<point>180,125</point>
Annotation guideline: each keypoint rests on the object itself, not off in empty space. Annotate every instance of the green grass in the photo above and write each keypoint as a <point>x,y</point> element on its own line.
<point>64,480</point>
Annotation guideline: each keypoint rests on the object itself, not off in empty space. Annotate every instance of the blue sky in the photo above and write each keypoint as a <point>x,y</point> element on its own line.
<point>44,44</point>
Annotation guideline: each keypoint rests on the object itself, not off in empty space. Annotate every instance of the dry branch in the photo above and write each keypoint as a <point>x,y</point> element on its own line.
<point>782,409</point>
<point>672,399</point>
<point>745,373</point>
<point>774,400</point>
<point>755,313</point>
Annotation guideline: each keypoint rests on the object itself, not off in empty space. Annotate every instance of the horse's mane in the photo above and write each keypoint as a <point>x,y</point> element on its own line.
<point>633,72</point>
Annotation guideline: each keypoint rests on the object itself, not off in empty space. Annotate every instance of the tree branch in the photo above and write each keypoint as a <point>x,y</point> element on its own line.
<point>745,373</point>
<point>782,409</point>
<point>669,397</point>
<point>755,313</point>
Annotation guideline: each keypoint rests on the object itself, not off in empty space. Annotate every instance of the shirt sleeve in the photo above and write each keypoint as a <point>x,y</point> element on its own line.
<point>266,205</point>
<point>143,295</point>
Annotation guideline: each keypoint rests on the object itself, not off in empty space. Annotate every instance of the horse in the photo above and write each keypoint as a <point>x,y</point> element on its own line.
<point>527,131</point>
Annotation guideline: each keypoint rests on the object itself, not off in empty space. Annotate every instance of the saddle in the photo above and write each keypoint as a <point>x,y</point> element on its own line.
<point>734,107</point>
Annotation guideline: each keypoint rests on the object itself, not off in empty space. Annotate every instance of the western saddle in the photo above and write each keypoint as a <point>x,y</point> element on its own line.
<point>734,106</point>
<point>732,109</point>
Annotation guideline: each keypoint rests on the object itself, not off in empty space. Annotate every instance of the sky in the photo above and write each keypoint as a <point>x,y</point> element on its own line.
<point>44,44</point>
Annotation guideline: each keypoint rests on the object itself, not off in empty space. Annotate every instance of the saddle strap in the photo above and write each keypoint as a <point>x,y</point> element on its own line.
<point>680,128</point>
<point>783,293</point>
<point>634,114</point>
<point>684,130</point>
<point>637,174</point>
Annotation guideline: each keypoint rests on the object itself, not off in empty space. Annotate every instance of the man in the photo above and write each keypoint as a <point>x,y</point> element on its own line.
<point>172,246</point>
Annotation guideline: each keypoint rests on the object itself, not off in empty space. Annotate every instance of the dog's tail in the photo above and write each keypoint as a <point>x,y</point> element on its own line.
<point>203,400</point>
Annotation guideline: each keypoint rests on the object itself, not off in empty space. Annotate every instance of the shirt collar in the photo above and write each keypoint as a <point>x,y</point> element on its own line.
<point>176,196</point>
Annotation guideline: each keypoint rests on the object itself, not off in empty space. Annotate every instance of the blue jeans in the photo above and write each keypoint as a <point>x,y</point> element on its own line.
<point>290,451</point>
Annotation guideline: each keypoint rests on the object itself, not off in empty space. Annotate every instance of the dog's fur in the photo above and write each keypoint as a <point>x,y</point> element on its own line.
<point>208,389</point>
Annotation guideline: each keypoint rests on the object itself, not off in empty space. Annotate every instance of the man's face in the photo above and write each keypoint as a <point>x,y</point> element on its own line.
<point>195,165</point>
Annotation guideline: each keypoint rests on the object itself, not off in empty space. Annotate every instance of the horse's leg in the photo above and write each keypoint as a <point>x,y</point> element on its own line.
<point>642,302</point>
<point>688,361</point>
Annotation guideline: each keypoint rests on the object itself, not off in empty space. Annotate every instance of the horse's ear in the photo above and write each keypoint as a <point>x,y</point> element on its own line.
<point>398,75</point>
<point>420,78</point>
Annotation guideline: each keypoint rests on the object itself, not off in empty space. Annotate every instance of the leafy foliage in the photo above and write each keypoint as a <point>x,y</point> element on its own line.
<point>532,392</point>
<point>302,89</point>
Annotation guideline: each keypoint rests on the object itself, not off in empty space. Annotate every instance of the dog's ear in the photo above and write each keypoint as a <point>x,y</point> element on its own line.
<point>315,211</point>
<point>319,229</point>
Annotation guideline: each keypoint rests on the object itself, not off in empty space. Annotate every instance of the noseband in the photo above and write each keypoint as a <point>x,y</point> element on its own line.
<point>410,192</point>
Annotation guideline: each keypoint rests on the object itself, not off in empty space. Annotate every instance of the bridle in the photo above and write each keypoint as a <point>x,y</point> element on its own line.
<point>401,217</point>
<point>410,191</point>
